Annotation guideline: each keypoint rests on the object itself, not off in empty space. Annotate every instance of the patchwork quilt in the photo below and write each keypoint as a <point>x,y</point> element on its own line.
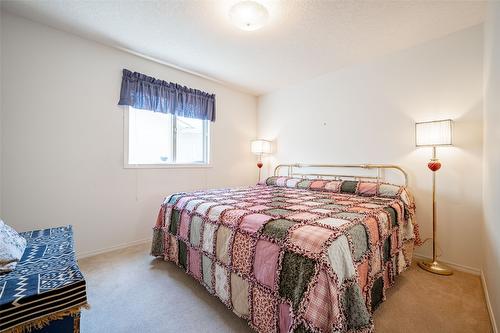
<point>293,255</point>
<point>46,284</point>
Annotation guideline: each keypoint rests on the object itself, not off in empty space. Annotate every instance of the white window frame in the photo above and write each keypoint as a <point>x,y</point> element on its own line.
<point>207,149</point>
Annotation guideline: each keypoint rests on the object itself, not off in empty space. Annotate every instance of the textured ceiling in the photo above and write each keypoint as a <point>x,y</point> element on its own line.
<point>303,39</point>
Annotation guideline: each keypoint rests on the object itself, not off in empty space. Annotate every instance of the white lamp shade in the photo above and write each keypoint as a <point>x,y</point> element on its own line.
<point>261,147</point>
<point>248,15</point>
<point>433,133</point>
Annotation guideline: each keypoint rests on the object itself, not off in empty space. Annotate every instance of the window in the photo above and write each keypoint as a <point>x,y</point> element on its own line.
<point>154,138</point>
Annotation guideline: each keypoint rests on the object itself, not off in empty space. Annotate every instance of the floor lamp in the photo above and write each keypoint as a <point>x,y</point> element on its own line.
<point>434,134</point>
<point>260,147</point>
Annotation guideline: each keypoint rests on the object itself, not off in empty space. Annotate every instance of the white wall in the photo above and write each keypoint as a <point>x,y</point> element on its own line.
<point>62,145</point>
<point>366,114</point>
<point>491,197</point>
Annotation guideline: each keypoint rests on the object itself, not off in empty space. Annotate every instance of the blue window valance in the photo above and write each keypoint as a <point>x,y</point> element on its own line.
<point>145,92</point>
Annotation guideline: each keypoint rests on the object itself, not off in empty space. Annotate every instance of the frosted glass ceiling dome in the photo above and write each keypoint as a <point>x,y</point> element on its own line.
<point>248,15</point>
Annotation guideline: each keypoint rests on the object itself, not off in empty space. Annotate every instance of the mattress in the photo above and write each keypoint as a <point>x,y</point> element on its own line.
<point>46,285</point>
<point>293,255</point>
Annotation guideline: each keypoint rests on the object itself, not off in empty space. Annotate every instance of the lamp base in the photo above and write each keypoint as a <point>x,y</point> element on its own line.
<point>435,267</point>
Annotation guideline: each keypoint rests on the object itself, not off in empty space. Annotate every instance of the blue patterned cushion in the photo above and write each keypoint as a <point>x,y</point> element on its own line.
<point>12,247</point>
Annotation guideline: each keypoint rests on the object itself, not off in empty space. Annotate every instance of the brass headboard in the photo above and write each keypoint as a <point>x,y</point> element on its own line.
<point>291,171</point>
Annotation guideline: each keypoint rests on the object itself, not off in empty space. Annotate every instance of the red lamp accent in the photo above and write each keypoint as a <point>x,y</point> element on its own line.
<point>434,165</point>
<point>259,164</point>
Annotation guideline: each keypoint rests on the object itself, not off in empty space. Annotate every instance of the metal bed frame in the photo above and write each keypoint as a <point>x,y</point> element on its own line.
<point>293,168</point>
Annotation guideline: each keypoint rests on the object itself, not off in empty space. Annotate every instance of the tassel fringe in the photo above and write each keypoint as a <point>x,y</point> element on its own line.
<point>42,322</point>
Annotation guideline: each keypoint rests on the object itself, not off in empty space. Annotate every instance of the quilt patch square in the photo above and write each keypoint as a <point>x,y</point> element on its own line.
<point>207,271</point>
<point>310,238</point>
<point>183,254</point>
<point>348,186</point>
<point>376,265</point>
<point>173,250</point>
<point>223,245</point>
<point>303,216</point>
<point>285,318</point>
<point>356,314</point>
<point>252,222</point>
<point>174,222</point>
<point>359,240</point>
<point>277,228</point>
<point>363,274</point>
<point>258,208</point>
<point>184,225</point>
<point>323,308</point>
<point>208,237</point>
<point>242,253</point>
<point>304,184</point>
<point>215,212</point>
<point>195,263</point>
<point>278,212</point>
<point>266,262</point>
<point>239,295</point>
<point>388,190</point>
<point>204,207</point>
<point>298,207</point>
<point>296,273</point>
<point>192,204</point>
<point>318,184</point>
<point>278,204</point>
<point>333,222</point>
<point>194,237</point>
<point>367,188</point>
<point>221,282</point>
<point>340,258</point>
<point>232,217</point>
<point>263,310</point>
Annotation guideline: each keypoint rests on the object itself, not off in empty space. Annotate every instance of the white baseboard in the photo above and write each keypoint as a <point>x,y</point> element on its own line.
<point>455,266</point>
<point>112,248</point>
<point>488,303</point>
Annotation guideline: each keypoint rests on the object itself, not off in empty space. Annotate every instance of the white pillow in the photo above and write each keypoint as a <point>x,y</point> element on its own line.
<point>12,247</point>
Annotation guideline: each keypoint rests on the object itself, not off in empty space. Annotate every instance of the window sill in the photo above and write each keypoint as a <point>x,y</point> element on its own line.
<point>166,166</point>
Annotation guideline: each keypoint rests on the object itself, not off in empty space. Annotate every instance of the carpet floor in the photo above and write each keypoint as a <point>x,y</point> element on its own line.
<point>129,291</point>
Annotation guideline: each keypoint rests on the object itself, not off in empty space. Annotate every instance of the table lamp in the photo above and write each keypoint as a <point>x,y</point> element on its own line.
<point>260,147</point>
<point>434,134</point>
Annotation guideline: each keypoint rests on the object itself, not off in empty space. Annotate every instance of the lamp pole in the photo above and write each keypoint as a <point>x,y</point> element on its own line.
<point>434,266</point>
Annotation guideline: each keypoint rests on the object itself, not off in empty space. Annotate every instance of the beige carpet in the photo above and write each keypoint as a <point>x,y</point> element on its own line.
<point>129,291</point>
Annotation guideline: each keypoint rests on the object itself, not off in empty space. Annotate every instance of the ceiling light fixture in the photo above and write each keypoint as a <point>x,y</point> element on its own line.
<point>248,15</point>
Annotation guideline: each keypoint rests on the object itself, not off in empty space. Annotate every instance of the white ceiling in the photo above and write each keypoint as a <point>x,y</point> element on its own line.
<point>303,39</point>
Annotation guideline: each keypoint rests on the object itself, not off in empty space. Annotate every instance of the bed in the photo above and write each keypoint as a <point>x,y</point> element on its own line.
<point>300,252</point>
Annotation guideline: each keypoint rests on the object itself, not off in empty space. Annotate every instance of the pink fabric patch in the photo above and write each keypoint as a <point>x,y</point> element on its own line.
<point>394,241</point>
<point>195,263</point>
<point>232,216</point>
<point>359,210</point>
<point>363,274</point>
<point>266,262</point>
<point>333,186</point>
<point>318,184</point>
<point>243,204</point>
<point>281,181</point>
<point>302,216</point>
<point>252,223</point>
<point>372,225</point>
<point>184,228</point>
<point>285,318</point>
<point>310,238</point>
<point>182,202</point>
<point>368,189</point>
<point>321,211</point>
<point>258,207</point>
